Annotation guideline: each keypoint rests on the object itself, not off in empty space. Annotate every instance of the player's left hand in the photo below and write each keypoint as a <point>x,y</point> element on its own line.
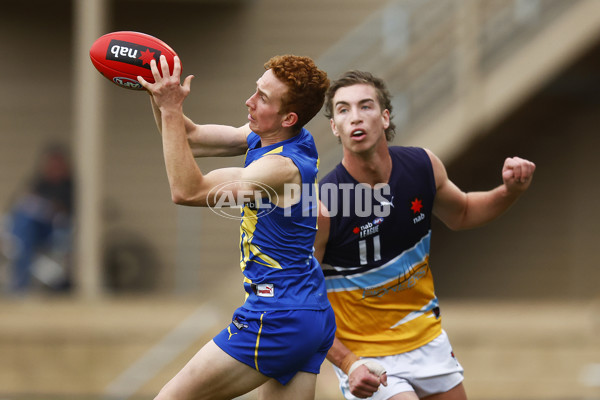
<point>517,174</point>
<point>364,378</point>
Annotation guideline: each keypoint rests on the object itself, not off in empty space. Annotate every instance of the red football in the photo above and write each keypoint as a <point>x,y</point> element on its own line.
<point>123,56</point>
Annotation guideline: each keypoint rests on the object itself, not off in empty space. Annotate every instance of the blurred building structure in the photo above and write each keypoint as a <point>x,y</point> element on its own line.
<point>473,80</point>
<point>456,69</point>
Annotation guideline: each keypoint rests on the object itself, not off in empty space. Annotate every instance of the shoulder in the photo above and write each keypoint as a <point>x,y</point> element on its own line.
<point>435,160</point>
<point>273,171</point>
<point>439,170</point>
<point>417,163</point>
<point>252,139</point>
<point>301,151</point>
<point>408,151</point>
<point>411,158</point>
<point>274,163</point>
<point>304,144</point>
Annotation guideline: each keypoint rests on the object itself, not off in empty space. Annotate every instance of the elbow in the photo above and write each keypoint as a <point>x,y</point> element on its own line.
<point>456,228</point>
<point>185,199</point>
<point>458,223</point>
<point>179,200</point>
<point>463,224</point>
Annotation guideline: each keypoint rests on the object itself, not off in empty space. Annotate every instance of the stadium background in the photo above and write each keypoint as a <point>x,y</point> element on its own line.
<point>473,80</point>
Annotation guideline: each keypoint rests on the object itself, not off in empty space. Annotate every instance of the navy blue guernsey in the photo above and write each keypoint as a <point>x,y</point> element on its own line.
<point>376,262</point>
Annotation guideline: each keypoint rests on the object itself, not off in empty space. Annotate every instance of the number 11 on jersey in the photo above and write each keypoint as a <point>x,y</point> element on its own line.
<point>362,250</point>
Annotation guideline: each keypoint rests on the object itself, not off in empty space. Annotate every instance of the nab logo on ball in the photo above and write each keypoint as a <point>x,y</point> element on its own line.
<point>131,53</point>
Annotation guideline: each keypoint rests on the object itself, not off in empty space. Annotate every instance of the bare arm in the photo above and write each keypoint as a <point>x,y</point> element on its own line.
<point>218,140</point>
<point>189,185</point>
<point>460,210</point>
<point>265,177</point>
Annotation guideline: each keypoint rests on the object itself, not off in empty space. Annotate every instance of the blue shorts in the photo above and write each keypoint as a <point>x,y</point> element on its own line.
<point>279,344</point>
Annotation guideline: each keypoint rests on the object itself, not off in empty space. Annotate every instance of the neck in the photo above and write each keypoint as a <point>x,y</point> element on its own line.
<point>370,168</point>
<point>270,138</point>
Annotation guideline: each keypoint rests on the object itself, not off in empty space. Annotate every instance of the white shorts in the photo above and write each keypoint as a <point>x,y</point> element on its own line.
<point>428,370</point>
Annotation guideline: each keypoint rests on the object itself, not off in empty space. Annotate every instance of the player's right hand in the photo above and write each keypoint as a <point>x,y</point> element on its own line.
<point>364,378</point>
<point>167,91</point>
<point>517,174</point>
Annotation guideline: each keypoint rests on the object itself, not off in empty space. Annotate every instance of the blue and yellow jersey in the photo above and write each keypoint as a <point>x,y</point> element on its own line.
<point>276,243</point>
<point>376,262</point>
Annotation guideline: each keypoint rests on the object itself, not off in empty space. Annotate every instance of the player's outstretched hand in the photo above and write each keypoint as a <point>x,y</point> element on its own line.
<point>517,174</point>
<point>364,378</point>
<point>167,89</point>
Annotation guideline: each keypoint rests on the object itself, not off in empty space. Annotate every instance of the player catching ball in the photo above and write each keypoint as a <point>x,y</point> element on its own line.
<point>389,342</point>
<point>280,336</point>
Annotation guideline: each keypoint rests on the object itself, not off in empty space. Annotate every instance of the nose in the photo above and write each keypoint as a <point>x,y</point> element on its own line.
<point>250,101</point>
<point>355,116</point>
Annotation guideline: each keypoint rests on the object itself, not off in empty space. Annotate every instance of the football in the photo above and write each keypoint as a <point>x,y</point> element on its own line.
<point>123,56</point>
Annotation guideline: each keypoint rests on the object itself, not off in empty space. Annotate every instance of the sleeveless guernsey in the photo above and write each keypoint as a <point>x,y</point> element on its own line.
<point>276,244</point>
<point>376,262</point>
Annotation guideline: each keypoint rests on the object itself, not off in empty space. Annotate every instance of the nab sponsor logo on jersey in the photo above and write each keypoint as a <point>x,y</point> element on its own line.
<point>370,228</point>
<point>416,206</point>
<point>418,218</point>
<point>131,53</point>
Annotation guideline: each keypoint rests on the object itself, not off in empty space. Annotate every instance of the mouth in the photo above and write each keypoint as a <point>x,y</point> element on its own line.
<point>357,134</point>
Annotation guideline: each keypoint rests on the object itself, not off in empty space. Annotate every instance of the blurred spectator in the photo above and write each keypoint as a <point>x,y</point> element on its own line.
<point>40,221</point>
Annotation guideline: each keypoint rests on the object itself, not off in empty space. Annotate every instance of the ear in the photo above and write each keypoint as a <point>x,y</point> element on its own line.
<point>385,115</point>
<point>333,128</point>
<point>289,120</point>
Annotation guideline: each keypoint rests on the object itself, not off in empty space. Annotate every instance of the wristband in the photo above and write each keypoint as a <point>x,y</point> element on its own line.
<point>372,366</point>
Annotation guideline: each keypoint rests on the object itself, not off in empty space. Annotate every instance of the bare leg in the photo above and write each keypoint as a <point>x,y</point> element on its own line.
<point>212,374</point>
<point>405,396</point>
<point>301,387</point>
<point>456,393</point>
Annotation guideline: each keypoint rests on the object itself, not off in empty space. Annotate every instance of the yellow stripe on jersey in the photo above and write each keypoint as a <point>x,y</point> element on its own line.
<point>246,280</point>
<point>274,151</point>
<point>250,250</point>
<point>258,342</point>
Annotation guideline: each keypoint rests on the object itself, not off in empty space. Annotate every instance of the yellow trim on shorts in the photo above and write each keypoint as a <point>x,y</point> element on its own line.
<point>257,342</point>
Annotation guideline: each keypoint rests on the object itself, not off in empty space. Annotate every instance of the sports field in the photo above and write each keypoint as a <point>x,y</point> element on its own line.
<point>53,348</point>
